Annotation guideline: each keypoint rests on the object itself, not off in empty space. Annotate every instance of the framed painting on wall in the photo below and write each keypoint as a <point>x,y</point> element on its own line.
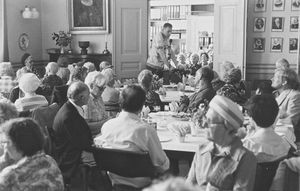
<point>88,16</point>
<point>294,23</point>
<point>278,5</point>
<point>295,5</point>
<point>293,45</point>
<point>276,44</point>
<point>260,6</point>
<point>259,24</point>
<point>258,45</point>
<point>277,24</point>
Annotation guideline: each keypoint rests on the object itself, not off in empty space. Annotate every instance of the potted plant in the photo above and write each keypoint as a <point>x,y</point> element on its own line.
<point>62,39</point>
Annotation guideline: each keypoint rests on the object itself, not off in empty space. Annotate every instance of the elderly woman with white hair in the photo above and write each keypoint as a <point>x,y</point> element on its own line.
<point>110,96</point>
<point>223,163</point>
<point>194,63</point>
<point>89,66</point>
<point>29,83</point>
<point>94,111</point>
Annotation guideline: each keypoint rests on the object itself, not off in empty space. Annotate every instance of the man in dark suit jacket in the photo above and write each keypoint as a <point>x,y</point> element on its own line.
<point>71,132</point>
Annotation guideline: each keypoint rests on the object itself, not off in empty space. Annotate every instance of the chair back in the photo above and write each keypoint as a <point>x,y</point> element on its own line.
<point>124,163</point>
<point>265,173</point>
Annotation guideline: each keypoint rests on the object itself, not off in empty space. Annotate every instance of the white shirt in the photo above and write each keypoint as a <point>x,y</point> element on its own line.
<point>128,132</point>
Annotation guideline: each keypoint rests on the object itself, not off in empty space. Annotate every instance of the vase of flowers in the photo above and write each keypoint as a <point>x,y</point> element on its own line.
<point>62,39</point>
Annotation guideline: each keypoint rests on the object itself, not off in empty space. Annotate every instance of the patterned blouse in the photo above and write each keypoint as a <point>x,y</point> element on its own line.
<point>38,172</point>
<point>233,93</point>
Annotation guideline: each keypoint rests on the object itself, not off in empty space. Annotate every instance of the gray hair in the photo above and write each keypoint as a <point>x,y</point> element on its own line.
<point>75,89</point>
<point>64,74</point>
<point>90,66</point>
<point>94,77</point>
<point>282,63</point>
<point>52,67</point>
<point>145,79</point>
<point>109,76</point>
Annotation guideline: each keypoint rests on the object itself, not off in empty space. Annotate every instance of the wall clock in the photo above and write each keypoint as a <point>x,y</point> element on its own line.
<point>24,41</point>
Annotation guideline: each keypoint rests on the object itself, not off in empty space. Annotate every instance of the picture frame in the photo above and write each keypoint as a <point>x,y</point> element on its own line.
<point>88,16</point>
<point>276,44</point>
<point>295,5</point>
<point>294,23</point>
<point>278,5</point>
<point>259,24</point>
<point>277,24</point>
<point>260,5</point>
<point>293,45</point>
<point>258,45</point>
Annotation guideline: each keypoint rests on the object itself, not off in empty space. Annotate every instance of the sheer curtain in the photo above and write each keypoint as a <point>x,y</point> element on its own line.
<point>3,33</point>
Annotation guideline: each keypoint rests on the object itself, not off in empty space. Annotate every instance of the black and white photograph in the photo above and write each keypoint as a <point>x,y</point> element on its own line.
<point>260,6</point>
<point>258,45</point>
<point>277,24</point>
<point>278,5</point>
<point>259,24</point>
<point>294,23</point>
<point>276,44</point>
<point>293,45</point>
<point>295,5</point>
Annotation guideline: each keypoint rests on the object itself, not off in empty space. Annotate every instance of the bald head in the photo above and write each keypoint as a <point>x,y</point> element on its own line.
<point>78,92</point>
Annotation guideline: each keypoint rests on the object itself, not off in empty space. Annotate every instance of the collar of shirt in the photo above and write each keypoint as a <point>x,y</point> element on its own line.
<point>78,108</point>
<point>125,114</point>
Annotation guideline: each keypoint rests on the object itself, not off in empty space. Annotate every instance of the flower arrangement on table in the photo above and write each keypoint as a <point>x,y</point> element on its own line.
<point>157,82</point>
<point>62,39</point>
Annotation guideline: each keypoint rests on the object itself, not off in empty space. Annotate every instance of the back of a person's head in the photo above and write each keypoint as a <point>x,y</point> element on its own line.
<point>52,67</point>
<point>291,77</point>
<point>263,109</point>
<point>7,111</point>
<point>133,98</point>
<point>63,61</point>
<point>75,89</point>
<point>24,57</point>
<point>64,74</point>
<point>265,88</point>
<point>167,25</point>
<point>6,69</point>
<point>29,83</point>
<point>105,64</point>
<point>233,76</point>
<point>25,134</point>
<point>206,74</point>
<point>145,78</point>
<point>227,65</point>
<point>79,73</point>
<point>94,76</point>
<point>282,63</point>
<point>109,76</point>
<point>90,66</point>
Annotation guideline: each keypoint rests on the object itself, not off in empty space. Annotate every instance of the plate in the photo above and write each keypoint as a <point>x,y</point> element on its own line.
<point>164,139</point>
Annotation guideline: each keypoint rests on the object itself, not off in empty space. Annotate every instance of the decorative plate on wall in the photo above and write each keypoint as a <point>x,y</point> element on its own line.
<point>24,41</point>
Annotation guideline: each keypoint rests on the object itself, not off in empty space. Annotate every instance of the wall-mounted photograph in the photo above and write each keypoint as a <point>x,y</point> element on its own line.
<point>259,24</point>
<point>294,23</point>
<point>260,6</point>
<point>88,16</point>
<point>258,45</point>
<point>276,44</point>
<point>295,5</point>
<point>278,5</point>
<point>277,24</point>
<point>293,45</point>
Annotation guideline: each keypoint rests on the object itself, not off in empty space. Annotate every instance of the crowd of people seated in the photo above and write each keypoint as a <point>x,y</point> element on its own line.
<point>92,109</point>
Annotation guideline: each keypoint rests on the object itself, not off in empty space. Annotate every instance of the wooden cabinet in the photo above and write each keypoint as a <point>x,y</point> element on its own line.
<point>74,58</point>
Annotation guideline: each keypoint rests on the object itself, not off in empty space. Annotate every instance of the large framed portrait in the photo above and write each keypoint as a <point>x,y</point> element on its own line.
<point>293,45</point>
<point>88,16</point>
<point>258,45</point>
<point>259,24</point>
<point>260,6</point>
<point>294,23</point>
<point>295,5</point>
<point>277,24</point>
<point>276,44</point>
<point>278,5</point>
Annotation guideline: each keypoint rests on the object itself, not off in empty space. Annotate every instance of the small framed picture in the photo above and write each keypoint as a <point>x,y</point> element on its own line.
<point>295,5</point>
<point>276,44</point>
<point>278,5</point>
<point>260,6</point>
<point>277,24</point>
<point>258,45</point>
<point>293,45</point>
<point>259,24</point>
<point>294,23</point>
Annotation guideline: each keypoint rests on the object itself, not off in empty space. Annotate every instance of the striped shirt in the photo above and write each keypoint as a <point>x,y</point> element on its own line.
<point>30,103</point>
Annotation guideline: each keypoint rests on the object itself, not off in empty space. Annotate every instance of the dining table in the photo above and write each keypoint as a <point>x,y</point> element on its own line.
<point>172,94</point>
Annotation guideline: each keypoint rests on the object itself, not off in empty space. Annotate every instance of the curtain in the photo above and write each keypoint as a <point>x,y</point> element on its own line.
<point>3,33</point>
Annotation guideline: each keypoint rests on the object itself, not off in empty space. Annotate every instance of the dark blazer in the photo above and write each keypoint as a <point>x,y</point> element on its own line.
<point>204,94</point>
<point>59,95</point>
<point>71,137</point>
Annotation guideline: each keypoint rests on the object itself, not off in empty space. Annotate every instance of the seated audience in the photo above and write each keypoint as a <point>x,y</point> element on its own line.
<point>282,63</point>
<point>24,165</point>
<point>71,132</point>
<point>145,79</point>
<point>194,64</point>
<point>29,83</point>
<point>63,71</point>
<point>105,64</point>
<point>27,63</point>
<point>266,145</point>
<point>94,110</point>
<point>223,163</point>
<point>232,88</point>
<point>129,132</point>
<point>51,79</point>
<point>265,88</point>
<point>78,73</point>
<point>172,184</point>
<point>110,95</point>
<point>89,66</point>
<point>205,93</point>
<point>286,83</point>
<point>182,66</point>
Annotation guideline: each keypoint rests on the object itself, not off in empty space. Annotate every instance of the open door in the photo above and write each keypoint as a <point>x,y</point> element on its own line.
<point>130,34</point>
<point>230,33</point>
